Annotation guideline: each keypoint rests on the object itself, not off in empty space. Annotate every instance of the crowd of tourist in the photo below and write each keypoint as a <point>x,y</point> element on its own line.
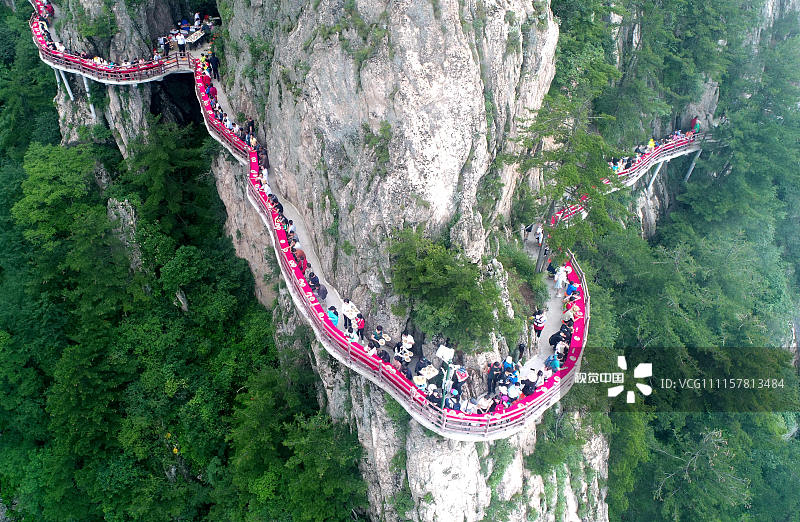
<point>619,164</point>
<point>182,33</point>
<point>506,381</point>
<point>442,386</point>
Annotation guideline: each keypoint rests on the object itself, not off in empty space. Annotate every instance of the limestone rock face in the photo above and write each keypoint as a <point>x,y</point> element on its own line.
<point>244,226</point>
<point>126,32</point>
<point>127,112</point>
<point>380,115</point>
<point>650,205</point>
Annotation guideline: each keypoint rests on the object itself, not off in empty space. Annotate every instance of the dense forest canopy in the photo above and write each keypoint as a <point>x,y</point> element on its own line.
<point>712,294</point>
<point>114,403</point>
<point>117,404</point>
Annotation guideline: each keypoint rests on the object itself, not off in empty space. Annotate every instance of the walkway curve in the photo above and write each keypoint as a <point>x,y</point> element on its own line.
<point>630,176</point>
<point>452,424</point>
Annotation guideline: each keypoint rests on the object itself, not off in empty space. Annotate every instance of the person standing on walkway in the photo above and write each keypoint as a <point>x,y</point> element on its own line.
<point>164,42</point>
<point>560,279</point>
<point>350,311</point>
<point>181,41</point>
<point>694,125</point>
<point>360,325</point>
<point>333,315</point>
<point>539,320</point>
<point>213,61</point>
<point>493,374</point>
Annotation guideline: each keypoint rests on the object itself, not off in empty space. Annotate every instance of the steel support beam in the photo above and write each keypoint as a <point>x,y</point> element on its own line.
<point>66,84</point>
<point>89,97</point>
<point>691,167</point>
<point>658,169</point>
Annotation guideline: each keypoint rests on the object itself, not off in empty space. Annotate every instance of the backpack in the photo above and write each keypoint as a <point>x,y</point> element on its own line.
<point>550,361</point>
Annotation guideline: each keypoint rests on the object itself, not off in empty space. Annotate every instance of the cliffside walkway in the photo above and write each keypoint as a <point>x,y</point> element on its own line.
<point>502,423</point>
<point>628,177</point>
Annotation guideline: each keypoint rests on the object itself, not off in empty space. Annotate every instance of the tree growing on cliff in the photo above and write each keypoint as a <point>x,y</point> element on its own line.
<point>446,293</point>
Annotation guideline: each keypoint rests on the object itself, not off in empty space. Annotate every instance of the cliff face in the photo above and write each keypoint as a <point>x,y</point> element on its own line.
<point>118,30</point>
<point>382,115</point>
<point>378,116</point>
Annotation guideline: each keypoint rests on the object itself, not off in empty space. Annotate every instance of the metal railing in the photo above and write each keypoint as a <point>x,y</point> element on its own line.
<point>446,422</point>
<point>118,75</point>
<point>635,172</point>
<point>216,128</point>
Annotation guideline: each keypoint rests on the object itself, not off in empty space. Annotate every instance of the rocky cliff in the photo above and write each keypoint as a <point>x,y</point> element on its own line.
<point>378,115</point>
<point>384,115</point>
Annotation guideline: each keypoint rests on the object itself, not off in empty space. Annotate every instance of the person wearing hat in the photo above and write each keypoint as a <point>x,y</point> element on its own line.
<point>333,315</point>
<point>508,364</point>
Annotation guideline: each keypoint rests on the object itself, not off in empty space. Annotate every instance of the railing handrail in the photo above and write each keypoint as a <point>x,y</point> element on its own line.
<point>446,422</point>
<point>640,167</point>
<point>149,71</point>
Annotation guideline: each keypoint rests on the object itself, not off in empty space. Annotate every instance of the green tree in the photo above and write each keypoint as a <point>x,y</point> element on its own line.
<point>447,293</point>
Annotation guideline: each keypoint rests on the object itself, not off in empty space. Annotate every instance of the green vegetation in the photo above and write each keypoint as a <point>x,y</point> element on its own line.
<point>102,27</point>
<point>115,403</point>
<point>502,455</point>
<point>446,292</point>
<point>379,143</point>
<point>710,292</point>
<point>557,437</point>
